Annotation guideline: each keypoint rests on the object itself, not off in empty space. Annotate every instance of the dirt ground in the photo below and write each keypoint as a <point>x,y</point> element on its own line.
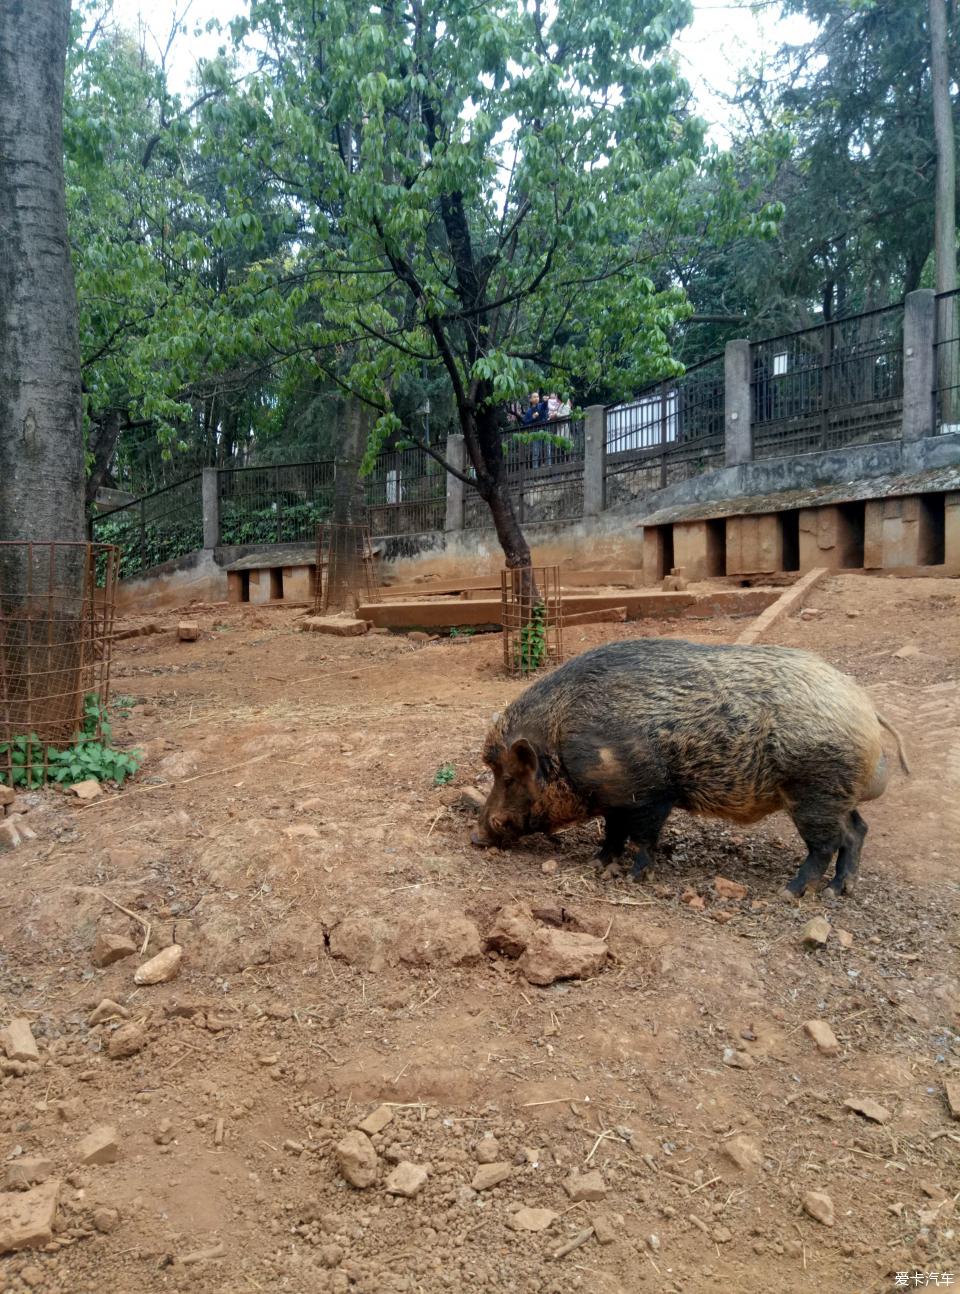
<point>287,831</point>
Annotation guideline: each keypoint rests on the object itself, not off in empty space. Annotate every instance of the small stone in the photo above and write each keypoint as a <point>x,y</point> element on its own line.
<point>406,1179</point>
<point>488,1148</point>
<point>725,889</point>
<point>722,1235</point>
<point>99,1146</point>
<point>107,1010</point>
<point>743,1152</point>
<point>377,1121</point>
<point>549,867</point>
<point>845,938</point>
<point>911,649</point>
<point>693,900</point>
<point>823,1036</point>
<point>314,804</point>
<point>470,799</point>
<point>332,625</point>
<point>17,1040</point>
<point>109,948</point>
<point>562,954</point>
<point>89,789</point>
<point>68,1108</point>
<point>737,1059</point>
<point>527,1219</point>
<point>951,1088</point>
<point>488,1175</point>
<point>587,1187</point>
<point>294,1147</point>
<point>603,1228</point>
<point>188,631</point>
<point>816,932</point>
<point>7,796</point>
<point>127,1041</point>
<point>820,1207</point>
<point>106,1220</point>
<point>26,1220</point>
<point>29,1171</point>
<point>653,1244</point>
<point>158,970</point>
<point>357,1160</point>
<point>852,615</point>
<point>810,613</point>
<point>869,1108</point>
<point>32,1276</point>
<point>164,1133</point>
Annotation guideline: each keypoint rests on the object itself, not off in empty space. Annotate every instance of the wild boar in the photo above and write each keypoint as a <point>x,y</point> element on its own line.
<point>634,729</point>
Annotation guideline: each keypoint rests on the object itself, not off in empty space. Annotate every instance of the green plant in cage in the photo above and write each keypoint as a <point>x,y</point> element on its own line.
<point>530,650</point>
<point>22,761</point>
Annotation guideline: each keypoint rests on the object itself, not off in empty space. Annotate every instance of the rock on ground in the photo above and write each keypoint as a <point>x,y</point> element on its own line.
<point>364,941</point>
<point>26,1220</point>
<point>339,628</point>
<point>820,1207</point>
<point>127,1041</point>
<point>487,1151</point>
<point>527,1219</point>
<point>868,1107</point>
<point>823,1036</point>
<point>26,1172</point>
<point>17,1040</point>
<point>725,889</point>
<point>488,1175</point>
<point>14,832</point>
<point>406,1179</point>
<point>586,1186</point>
<point>376,1121</point>
<point>158,970</point>
<point>743,1152</point>
<point>357,1160</point>
<point>439,939</point>
<point>561,954</point>
<point>513,928</point>
<point>816,932</point>
<point>107,1010</point>
<point>99,1146</point>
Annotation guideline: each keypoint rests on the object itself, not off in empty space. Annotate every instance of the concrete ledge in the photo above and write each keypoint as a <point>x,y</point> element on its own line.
<point>639,606</point>
<point>792,600</point>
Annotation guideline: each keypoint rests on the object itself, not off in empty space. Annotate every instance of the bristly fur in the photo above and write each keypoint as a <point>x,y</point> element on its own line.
<point>636,728</point>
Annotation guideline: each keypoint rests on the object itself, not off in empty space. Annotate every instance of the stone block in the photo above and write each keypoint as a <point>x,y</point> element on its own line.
<point>831,536</point>
<point>951,532</point>
<point>262,584</point>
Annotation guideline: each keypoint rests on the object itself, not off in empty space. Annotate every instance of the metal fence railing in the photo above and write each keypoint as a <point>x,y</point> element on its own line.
<point>670,432</point>
<point>947,361</point>
<point>406,493</point>
<point>839,383</point>
<point>278,504</point>
<point>545,478</point>
<point>156,527</point>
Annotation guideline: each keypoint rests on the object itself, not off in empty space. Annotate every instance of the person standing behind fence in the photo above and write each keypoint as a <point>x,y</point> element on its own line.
<point>536,414</point>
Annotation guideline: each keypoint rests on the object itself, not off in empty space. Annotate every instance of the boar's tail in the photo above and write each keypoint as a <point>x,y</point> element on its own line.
<point>901,753</point>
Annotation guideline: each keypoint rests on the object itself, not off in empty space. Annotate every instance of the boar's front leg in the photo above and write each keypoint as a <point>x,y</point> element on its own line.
<point>645,824</point>
<point>616,831</point>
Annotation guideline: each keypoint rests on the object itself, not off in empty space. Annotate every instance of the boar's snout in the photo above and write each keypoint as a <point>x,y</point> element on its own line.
<point>490,832</point>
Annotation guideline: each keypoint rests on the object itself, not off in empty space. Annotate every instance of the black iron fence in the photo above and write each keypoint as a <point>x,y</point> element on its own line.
<point>279,504</point>
<point>544,477</point>
<point>947,361</point>
<point>839,383</point>
<point>673,430</point>
<point>406,493</point>
<point>156,527</point>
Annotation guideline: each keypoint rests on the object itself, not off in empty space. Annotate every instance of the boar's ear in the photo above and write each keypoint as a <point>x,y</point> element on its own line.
<point>523,757</point>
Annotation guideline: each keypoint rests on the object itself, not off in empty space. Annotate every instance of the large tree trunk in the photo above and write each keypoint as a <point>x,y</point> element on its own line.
<point>945,230</point>
<point>102,441</point>
<point>348,573</point>
<point>41,451</point>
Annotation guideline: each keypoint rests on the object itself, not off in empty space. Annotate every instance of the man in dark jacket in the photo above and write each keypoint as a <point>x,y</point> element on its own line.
<point>536,414</point>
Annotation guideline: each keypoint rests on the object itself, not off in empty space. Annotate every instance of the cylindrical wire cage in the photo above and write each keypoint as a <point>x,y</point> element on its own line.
<point>531,612</point>
<point>346,568</point>
<point>57,603</point>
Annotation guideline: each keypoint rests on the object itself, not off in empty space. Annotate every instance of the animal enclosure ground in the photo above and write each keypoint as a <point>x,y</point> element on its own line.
<point>287,832</point>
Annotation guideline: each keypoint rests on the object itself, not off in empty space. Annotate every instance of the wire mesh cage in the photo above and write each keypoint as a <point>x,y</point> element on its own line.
<point>346,568</point>
<point>531,612</point>
<point>57,604</point>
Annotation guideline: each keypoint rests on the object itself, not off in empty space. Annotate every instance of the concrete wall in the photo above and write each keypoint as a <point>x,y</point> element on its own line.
<point>194,578</point>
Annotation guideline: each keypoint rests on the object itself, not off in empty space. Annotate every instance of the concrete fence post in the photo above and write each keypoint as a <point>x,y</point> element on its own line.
<point>594,456</point>
<point>737,404</point>
<point>210,497</point>
<point>919,364</point>
<point>456,457</point>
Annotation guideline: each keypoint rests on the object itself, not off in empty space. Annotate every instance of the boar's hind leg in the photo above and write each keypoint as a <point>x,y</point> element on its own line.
<point>848,859</point>
<point>822,824</point>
